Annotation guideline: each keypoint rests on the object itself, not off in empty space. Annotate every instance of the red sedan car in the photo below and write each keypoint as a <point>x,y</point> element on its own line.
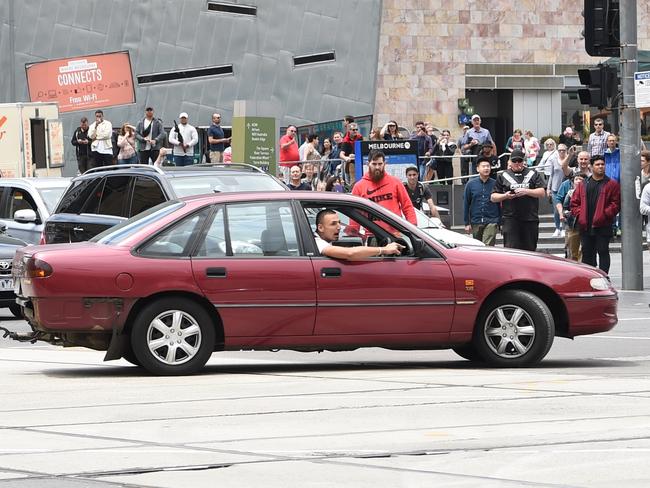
<point>189,277</point>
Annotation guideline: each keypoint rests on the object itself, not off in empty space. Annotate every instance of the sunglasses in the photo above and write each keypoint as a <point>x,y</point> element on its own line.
<point>516,160</point>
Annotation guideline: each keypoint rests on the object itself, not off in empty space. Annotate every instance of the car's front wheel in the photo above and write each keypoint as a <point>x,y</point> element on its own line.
<point>173,336</point>
<point>515,328</point>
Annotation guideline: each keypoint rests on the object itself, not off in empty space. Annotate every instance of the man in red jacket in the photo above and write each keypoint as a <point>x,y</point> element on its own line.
<point>384,189</point>
<point>595,203</point>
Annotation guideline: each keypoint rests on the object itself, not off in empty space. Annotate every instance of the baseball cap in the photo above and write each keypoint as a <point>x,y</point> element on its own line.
<point>476,116</point>
<point>183,114</point>
<point>517,155</point>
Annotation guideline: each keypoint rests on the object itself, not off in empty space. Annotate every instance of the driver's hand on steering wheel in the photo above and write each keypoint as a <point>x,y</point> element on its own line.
<point>392,249</point>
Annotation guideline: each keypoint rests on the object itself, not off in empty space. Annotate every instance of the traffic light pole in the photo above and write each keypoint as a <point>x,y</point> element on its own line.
<point>629,143</point>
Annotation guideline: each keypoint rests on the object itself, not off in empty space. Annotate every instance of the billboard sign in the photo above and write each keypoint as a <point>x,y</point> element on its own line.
<point>83,82</point>
<point>254,142</point>
<point>400,154</point>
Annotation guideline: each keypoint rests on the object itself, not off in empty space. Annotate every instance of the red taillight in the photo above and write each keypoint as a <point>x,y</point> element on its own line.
<point>37,268</point>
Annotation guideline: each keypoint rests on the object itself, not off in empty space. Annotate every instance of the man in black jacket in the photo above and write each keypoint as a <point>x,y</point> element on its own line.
<point>150,136</point>
<point>82,146</point>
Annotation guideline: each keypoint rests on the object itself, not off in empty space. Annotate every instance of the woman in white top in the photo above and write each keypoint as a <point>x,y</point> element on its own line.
<point>552,167</point>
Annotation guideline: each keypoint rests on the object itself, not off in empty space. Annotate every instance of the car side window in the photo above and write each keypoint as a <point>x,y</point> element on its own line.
<point>176,240</point>
<point>214,242</point>
<point>114,197</point>
<point>146,194</point>
<point>371,228</point>
<point>20,200</point>
<point>252,229</point>
<point>262,228</point>
<point>4,211</point>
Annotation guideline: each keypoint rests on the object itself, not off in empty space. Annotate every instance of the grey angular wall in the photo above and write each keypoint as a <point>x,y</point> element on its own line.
<point>164,35</point>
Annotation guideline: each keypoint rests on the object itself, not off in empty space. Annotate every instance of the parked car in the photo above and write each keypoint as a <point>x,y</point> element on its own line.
<point>8,246</point>
<point>25,204</point>
<point>233,271</point>
<point>104,197</point>
<point>435,228</point>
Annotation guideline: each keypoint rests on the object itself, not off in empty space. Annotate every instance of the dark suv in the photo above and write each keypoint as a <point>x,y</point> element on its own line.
<point>103,197</point>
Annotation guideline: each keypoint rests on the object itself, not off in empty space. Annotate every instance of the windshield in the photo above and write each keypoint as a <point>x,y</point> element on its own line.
<point>51,196</point>
<point>118,233</point>
<point>185,186</point>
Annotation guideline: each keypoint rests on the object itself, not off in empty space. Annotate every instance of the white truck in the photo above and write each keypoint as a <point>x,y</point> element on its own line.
<point>31,140</point>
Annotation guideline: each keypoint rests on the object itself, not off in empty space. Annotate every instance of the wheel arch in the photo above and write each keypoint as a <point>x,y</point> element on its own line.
<point>544,293</point>
<point>201,300</point>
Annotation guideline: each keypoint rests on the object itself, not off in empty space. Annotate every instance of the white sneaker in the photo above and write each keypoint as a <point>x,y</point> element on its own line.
<point>562,233</point>
<point>556,233</point>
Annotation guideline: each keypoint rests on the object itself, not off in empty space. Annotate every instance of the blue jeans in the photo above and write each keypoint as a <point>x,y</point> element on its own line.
<point>183,160</point>
<point>132,160</point>
<point>556,214</point>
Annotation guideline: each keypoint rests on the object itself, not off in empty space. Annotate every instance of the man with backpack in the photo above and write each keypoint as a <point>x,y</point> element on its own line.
<point>418,193</point>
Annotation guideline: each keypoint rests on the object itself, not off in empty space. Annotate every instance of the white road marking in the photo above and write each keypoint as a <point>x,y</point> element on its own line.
<point>615,337</point>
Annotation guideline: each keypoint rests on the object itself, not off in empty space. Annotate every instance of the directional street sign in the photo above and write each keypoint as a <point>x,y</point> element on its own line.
<point>642,89</point>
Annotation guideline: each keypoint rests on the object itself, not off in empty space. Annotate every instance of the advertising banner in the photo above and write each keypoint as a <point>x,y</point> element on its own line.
<point>83,82</point>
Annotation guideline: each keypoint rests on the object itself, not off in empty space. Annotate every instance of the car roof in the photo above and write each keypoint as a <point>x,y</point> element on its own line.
<point>244,196</point>
<point>173,171</point>
<point>50,182</point>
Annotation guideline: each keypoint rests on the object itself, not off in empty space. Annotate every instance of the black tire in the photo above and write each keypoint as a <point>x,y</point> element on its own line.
<point>468,351</point>
<point>16,310</point>
<point>130,356</point>
<point>514,329</point>
<point>185,324</point>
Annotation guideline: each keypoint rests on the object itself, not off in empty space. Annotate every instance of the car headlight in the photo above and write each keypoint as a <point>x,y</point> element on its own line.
<point>600,284</point>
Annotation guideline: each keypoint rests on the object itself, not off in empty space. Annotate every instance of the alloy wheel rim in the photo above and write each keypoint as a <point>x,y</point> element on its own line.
<point>174,337</point>
<point>509,331</point>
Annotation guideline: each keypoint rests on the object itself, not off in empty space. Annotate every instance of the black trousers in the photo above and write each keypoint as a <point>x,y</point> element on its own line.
<point>145,155</point>
<point>593,244</point>
<point>102,159</point>
<point>520,234</point>
<point>84,163</point>
<point>444,169</point>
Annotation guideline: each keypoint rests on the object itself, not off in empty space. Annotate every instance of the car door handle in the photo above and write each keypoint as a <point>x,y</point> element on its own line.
<point>215,272</point>
<point>330,272</point>
<point>77,229</point>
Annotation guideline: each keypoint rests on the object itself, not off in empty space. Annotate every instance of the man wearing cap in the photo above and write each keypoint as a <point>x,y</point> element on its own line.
<point>518,190</point>
<point>150,136</point>
<point>183,151</point>
<point>476,137</point>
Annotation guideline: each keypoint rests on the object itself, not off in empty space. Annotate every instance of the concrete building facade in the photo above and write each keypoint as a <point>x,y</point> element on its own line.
<point>397,59</point>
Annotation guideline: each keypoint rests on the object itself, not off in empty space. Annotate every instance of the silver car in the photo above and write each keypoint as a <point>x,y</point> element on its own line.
<point>25,203</point>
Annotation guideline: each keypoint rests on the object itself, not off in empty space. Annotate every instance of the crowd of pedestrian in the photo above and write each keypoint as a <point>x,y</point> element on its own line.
<point>500,195</point>
<point>100,144</point>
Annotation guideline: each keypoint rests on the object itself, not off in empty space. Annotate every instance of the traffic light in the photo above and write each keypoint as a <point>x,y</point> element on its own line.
<point>602,27</point>
<point>602,84</point>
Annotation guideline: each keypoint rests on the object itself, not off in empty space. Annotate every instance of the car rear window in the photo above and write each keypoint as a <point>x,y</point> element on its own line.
<point>212,183</point>
<point>118,233</point>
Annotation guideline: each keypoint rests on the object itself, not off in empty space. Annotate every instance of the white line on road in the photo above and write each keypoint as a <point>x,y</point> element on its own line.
<point>634,318</point>
<point>616,337</point>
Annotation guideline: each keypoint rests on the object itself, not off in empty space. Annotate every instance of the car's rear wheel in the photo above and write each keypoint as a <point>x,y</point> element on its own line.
<point>173,336</point>
<point>515,328</point>
<point>16,310</point>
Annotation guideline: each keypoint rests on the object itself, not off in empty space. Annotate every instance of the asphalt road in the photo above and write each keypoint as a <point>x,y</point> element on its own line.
<point>363,418</point>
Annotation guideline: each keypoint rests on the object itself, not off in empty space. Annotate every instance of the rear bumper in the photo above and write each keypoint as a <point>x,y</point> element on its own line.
<point>101,314</point>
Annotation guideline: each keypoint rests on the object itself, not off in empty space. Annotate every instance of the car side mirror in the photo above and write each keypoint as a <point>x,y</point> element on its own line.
<point>25,216</point>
